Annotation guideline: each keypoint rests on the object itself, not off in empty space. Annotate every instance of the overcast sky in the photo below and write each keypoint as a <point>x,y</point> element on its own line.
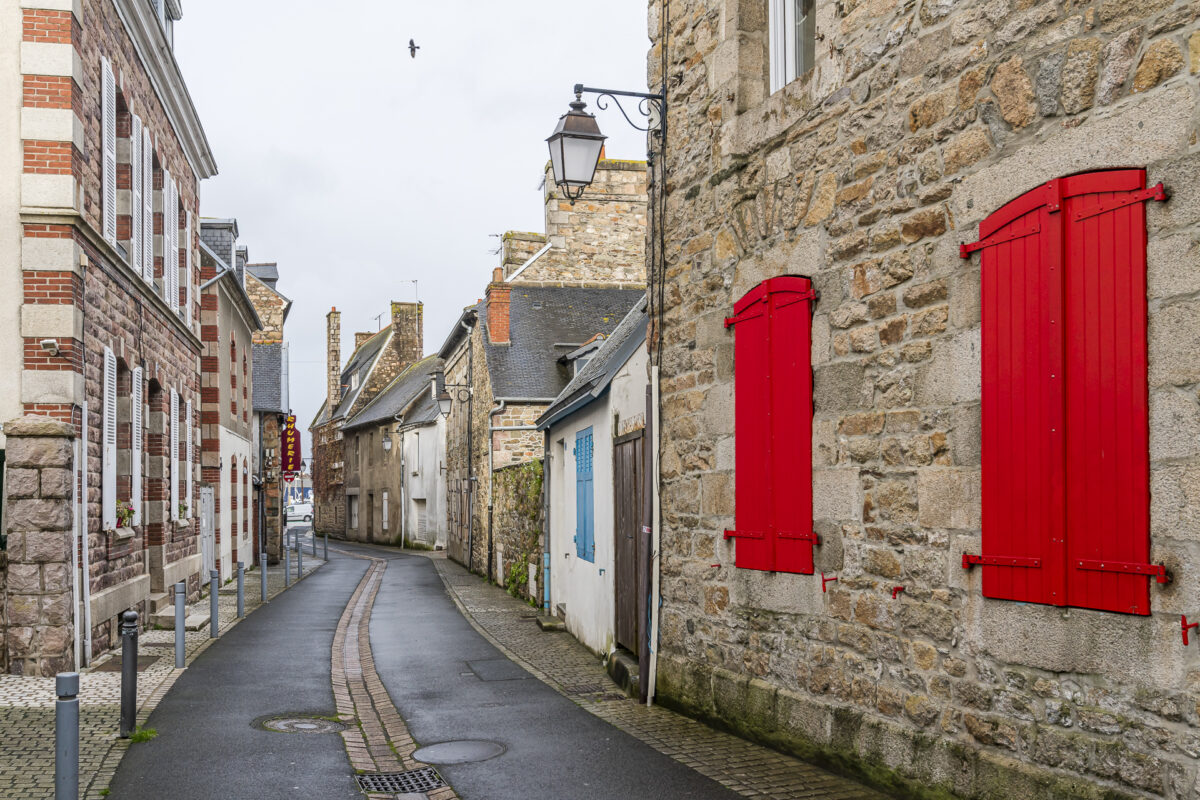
<point>359,169</point>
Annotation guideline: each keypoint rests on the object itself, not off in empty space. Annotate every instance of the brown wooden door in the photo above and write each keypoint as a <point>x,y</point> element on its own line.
<point>627,491</point>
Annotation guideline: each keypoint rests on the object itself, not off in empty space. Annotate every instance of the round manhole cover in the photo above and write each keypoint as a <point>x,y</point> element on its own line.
<point>460,752</point>
<point>298,724</point>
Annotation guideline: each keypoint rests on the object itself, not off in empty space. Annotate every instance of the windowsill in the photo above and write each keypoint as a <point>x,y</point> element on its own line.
<point>182,524</point>
<point>121,534</point>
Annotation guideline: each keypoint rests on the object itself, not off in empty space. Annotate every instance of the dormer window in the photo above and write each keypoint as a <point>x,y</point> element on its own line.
<point>168,12</point>
<point>354,382</point>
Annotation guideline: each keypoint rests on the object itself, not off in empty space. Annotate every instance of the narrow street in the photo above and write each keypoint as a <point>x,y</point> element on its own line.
<point>448,683</point>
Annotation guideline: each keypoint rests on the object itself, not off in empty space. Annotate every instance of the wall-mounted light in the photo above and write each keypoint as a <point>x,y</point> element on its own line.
<point>387,441</point>
<point>50,346</point>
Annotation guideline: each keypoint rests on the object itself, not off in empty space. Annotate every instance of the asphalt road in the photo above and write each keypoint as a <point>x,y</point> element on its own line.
<point>446,680</point>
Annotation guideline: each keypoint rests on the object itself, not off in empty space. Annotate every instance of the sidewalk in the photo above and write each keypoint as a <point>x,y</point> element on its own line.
<point>559,660</point>
<point>27,703</point>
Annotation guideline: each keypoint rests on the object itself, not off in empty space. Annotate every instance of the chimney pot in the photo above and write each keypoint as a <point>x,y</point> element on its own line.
<point>333,362</point>
<point>499,299</point>
<point>408,333</point>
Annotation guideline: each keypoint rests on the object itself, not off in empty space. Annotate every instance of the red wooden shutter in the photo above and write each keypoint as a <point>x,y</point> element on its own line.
<point>1108,442</point>
<point>773,418</point>
<point>1065,421</point>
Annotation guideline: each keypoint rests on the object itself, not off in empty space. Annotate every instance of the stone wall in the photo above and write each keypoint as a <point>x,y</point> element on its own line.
<point>516,447</point>
<point>271,310</point>
<point>38,624</point>
<point>462,463</point>
<point>918,120</point>
<point>517,516</point>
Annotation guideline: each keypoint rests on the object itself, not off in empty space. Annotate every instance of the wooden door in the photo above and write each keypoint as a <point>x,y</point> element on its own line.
<point>627,493</point>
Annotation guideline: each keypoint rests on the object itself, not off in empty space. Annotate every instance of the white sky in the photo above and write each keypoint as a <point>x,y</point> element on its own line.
<point>359,169</point>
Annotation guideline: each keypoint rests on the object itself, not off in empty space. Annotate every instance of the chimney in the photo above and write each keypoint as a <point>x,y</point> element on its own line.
<point>408,333</point>
<point>359,338</point>
<point>333,357</point>
<point>499,296</point>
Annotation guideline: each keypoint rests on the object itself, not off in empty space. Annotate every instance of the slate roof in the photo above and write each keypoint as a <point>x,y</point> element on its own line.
<point>594,379</point>
<point>546,323</point>
<point>360,364</point>
<point>399,394</point>
<point>268,377</point>
<point>267,273</point>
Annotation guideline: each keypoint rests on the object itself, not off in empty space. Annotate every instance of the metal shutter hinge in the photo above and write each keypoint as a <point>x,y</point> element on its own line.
<point>969,560</point>
<point>1158,571</point>
<point>1157,193</point>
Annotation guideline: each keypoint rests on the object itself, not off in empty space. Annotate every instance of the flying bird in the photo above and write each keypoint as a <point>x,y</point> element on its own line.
<point>413,48</point>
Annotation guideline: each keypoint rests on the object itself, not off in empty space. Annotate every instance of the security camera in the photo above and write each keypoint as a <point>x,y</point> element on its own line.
<point>50,346</point>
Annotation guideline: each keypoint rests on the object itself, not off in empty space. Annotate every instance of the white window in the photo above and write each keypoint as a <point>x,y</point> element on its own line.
<point>187,468</point>
<point>170,202</point>
<point>416,466</point>
<point>353,502</point>
<point>793,40</point>
<point>174,454</point>
<point>144,261</point>
<point>135,466</point>
<point>354,381</point>
<point>135,194</point>
<point>108,143</point>
<point>187,267</point>
<point>108,452</point>
<point>384,516</point>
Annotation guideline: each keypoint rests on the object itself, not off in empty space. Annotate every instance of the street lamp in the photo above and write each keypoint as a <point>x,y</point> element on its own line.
<point>445,400</point>
<point>387,441</point>
<point>576,144</point>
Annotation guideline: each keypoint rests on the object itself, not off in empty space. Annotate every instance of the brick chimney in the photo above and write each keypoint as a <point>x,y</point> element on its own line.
<point>499,298</point>
<point>359,338</point>
<point>408,333</point>
<point>333,357</point>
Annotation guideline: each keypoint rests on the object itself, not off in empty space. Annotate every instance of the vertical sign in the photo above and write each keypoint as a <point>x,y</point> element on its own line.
<point>291,446</point>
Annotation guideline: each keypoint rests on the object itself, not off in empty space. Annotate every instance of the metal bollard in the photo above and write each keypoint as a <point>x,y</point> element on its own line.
<point>214,589</point>
<point>287,565</point>
<point>262,575</point>
<point>326,547</point>
<point>313,534</point>
<point>299,560</point>
<point>129,651</point>
<point>66,736</point>
<point>241,583</point>
<point>180,622</point>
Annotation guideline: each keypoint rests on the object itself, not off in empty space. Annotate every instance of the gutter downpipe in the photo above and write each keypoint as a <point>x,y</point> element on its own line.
<point>75,550</point>
<point>470,329</point>
<point>85,554</point>
<point>261,489</point>
<point>656,539</point>
<point>546,520</point>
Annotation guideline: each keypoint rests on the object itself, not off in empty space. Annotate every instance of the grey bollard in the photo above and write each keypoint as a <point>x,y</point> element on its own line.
<point>66,736</point>
<point>262,575</point>
<point>313,534</point>
<point>241,583</point>
<point>214,590</point>
<point>299,560</point>
<point>180,622</point>
<point>287,565</point>
<point>129,651</point>
<point>325,548</point>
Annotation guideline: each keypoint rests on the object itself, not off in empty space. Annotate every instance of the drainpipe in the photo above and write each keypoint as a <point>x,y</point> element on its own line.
<point>84,551</point>
<point>492,429</point>
<point>546,519</point>
<point>470,329</point>
<point>75,448</point>
<point>656,537</point>
<point>260,487</point>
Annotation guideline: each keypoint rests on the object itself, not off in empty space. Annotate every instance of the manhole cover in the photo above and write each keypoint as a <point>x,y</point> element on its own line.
<point>460,752</point>
<point>297,724</point>
<point>424,779</point>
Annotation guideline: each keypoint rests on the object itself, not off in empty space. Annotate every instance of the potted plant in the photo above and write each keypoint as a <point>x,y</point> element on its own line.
<point>124,514</point>
<point>183,510</point>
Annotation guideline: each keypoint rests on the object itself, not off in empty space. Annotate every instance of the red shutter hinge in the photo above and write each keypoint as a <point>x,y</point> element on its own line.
<point>1157,193</point>
<point>969,560</point>
<point>965,250</point>
<point>896,590</point>
<point>824,581</point>
<point>1054,195</point>
<point>804,537</point>
<point>1183,623</point>
<point>745,535</point>
<point>1158,571</point>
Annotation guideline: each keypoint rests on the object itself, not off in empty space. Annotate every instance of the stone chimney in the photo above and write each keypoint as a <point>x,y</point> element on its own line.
<point>499,298</point>
<point>333,357</point>
<point>359,338</point>
<point>408,339</point>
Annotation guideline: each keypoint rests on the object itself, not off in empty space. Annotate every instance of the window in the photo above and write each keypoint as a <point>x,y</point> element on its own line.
<point>416,466</point>
<point>793,36</point>
<point>174,455</point>
<point>187,469</point>
<point>585,508</point>
<point>352,500</point>
<point>384,515</point>
<point>773,500</point>
<point>1065,422</point>
<point>108,147</point>
<point>136,442</point>
<point>108,453</point>
<point>143,261</point>
<point>170,241</point>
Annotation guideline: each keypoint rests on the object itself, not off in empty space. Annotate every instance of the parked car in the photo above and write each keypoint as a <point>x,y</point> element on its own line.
<point>300,511</point>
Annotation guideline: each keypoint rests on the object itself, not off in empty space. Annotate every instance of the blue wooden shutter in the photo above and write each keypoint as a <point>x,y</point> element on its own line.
<point>585,536</point>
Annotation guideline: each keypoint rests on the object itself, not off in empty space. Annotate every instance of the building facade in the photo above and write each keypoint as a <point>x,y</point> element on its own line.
<point>926,383</point>
<point>102,157</point>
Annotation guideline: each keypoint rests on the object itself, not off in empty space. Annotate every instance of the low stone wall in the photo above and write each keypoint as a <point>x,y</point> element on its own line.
<point>37,620</point>
<point>517,515</point>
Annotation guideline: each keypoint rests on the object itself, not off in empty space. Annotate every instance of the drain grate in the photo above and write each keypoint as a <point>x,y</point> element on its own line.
<point>425,779</point>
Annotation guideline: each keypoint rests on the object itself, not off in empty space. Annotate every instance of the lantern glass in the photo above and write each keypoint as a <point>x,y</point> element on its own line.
<point>444,402</point>
<point>575,148</point>
<point>387,442</point>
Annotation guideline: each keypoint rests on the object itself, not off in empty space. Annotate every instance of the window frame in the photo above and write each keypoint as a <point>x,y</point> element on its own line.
<point>791,49</point>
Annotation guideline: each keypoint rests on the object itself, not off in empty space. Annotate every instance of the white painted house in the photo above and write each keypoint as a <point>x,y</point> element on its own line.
<point>595,430</point>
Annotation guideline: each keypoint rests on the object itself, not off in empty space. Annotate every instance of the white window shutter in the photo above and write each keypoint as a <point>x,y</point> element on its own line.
<point>147,253</point>
<point>174,454</point>
<point>170,239</point>
<point>135,194</point>
<point>108,143</point>
<point>135,463</point>
<point>187,271</point>
<point>108,452</point>
<point>187,469</point>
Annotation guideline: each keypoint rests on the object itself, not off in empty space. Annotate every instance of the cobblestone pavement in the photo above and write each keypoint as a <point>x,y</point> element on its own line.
<point>27,703</point>
<point>381,742</point>
<point>560,661</point>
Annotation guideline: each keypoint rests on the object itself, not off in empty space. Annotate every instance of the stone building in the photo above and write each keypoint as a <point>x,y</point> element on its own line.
<point>102,157</point>
<point>395,455</point>
<point>959,401</point>
<point>375,362</point>
<point>271,398</point>
<point>505,358</point>
<point>227,324</point>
